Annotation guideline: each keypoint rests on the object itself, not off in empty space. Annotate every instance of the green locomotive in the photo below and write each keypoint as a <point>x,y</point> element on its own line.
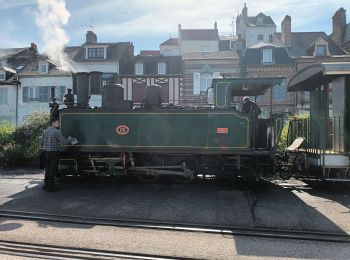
<point>181,142</point>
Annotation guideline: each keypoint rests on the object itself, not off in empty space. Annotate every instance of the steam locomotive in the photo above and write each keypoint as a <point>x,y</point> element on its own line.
<point>184,143</point>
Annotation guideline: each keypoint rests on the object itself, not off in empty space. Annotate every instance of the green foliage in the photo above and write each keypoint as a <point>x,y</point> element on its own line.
<point>284,134</point>
<point>23,143</point>
<point>6,130</point>
<point>12,155</point>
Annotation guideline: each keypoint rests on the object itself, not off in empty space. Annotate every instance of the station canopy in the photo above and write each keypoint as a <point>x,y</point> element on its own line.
<point>247,86</point>
<point>318,74</point>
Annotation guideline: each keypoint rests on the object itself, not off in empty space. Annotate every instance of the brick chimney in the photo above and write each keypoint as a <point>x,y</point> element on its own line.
<point>91,37</point>
<point>245,11</point>
<point>286,31</point>
<point>339,22</point>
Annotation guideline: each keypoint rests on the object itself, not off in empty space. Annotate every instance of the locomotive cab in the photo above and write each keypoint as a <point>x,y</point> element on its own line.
<point>264,131</point>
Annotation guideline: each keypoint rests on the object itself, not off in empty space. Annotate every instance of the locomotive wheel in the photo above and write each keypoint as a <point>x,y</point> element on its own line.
<point>150,161</point>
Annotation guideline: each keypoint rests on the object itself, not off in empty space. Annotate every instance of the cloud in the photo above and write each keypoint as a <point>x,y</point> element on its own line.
<point>6,4</point>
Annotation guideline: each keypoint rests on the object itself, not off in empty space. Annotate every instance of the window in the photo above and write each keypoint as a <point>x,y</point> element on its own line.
<point>2,75</point>
<point>95,83</point>
<point>44,94</point>
<point>30,94</point>
<point>206,79</point>
<point>260,37</point>
<point>280,92</point>
<point>321,50</point>
<point>43,68</point>
<point>267,56</point>
<point>138,69</point>
<point>96,53</point>
<point>161,68</point>
<point>3,96</point>
<point>259,21</point>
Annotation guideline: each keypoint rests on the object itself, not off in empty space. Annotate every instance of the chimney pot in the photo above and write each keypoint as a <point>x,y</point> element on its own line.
<point>91,37</point>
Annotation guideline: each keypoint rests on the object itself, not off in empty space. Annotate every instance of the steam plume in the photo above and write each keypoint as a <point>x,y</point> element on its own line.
<point>51,18</point>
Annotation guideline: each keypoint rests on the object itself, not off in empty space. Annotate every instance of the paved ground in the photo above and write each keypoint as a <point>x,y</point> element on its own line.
<point>292,205</point>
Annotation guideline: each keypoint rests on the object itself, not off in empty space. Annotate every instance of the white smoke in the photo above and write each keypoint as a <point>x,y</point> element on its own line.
<point>51,18</point>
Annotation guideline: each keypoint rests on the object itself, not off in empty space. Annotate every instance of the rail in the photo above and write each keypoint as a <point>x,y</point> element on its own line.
<point>265,232</point>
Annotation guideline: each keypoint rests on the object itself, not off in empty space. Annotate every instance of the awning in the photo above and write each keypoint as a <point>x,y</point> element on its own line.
<point>316,75</point>
<point>247,86</point>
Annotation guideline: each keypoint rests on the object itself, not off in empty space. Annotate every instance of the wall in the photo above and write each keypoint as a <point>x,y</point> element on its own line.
<point>253,32</point>
<point>196,46</point>
<point>287,71</point>
<point>106,67</point>
<point>8,112</point>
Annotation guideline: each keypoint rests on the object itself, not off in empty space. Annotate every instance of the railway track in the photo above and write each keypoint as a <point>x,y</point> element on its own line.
<point>173,226</point>
<point>31,250</point>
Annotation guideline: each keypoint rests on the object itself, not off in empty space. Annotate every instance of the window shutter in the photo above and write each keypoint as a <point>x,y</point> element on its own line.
<point>25,94</point>
<point>196,83</point>
<point>44,94</point>
<point>3,96</point>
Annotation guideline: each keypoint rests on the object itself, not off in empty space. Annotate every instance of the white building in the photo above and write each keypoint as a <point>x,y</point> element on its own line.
<point>254,29</point>
<point>8,94</point>
<point>107,59</point>
<point>40,81</point>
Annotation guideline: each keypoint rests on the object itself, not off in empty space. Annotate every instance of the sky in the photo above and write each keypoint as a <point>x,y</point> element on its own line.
<point>147,23</point>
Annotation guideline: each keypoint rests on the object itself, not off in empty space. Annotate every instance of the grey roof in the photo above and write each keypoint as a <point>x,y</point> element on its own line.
<point>253,55</point>
<point>267,20</point>
<point>301,44</point>
<point>115,51</point>
<point>31,69</point>
<point>199,34</point>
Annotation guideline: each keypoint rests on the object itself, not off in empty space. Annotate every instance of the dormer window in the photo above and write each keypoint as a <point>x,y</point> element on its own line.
<point>2,75</point>
<point>161,68</point>
<point>260,21</point>
<point>321,50</point>
<point>139,69</point>
<point>96,52</point>
<point>43,67</point>
<point>267,56</point>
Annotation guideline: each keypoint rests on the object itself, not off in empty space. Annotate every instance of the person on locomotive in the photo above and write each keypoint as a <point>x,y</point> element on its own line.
<point>251,107</point>
<point>51,140</point>
<point>68,98</point>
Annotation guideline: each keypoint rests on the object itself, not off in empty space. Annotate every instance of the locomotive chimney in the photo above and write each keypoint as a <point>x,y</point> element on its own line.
<point>82,88</point>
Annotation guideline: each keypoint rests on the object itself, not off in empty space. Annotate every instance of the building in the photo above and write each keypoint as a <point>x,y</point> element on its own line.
<point>153,68</point>
<point>12,61</point>
<point>199,69</point>
<point>40,81</point>
<point>8,94</point>
<point>102,60</point>
<point>270,60</point>
<point>253,29</point>
<point>307,48</point>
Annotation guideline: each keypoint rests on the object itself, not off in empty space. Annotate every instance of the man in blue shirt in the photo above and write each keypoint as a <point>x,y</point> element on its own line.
<point>51,140</point>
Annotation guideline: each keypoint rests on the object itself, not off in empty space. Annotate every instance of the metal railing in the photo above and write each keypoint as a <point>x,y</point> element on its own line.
<point>322,135</point>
